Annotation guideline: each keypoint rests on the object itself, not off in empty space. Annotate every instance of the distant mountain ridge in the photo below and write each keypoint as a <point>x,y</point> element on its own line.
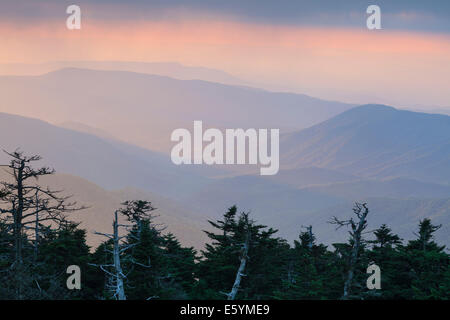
<point>109,163</point>
<point>375,141</point>
<point>168,69</point>
<point>144,109</point>
<point>371,153</point>
<point>101,204</point>
<point>324,169</point>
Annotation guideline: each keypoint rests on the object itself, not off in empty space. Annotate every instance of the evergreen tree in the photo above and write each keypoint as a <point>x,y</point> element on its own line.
<point>220,266</point>
<point>217,269</point>
<point>181,265</point>
<point>145,263</point>
<point>24,207</point>
<point>428,264</point>
<point>152,265</point>
<point>425,237</point>
<point>385,238</point>
<point>58,250</point>
<point>102,256</point>
<point>385,254</point>
<point>312,272</point>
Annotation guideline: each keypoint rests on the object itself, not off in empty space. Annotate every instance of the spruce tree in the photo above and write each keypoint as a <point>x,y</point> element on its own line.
<point>222,258</point>
<point>428,264</point>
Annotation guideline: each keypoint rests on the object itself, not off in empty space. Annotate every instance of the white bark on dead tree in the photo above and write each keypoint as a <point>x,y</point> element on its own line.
<point>120,290</point>
<point>240,273</point>
<point>134,211</point>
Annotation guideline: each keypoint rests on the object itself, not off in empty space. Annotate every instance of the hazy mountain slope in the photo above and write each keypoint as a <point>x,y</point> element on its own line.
<point>276,204</point>
<point>168,69</point>
<point>185,225</point>
<point>393,188</point>
<point>302,177</point>
<point>76,126</point>
<point>106,162</point>
<point>338,184</point>
<point>288,209</point>
<point>271,203</point>
<point>375,141</point>
<point>145,109</point>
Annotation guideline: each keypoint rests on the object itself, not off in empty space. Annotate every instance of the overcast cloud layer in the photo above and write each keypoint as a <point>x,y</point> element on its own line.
<point>417,15</point>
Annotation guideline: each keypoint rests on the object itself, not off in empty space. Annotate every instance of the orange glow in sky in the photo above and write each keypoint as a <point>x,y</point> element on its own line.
<point>345,64</point>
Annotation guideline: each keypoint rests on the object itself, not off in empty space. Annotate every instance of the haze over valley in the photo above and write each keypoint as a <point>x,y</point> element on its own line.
<point>109,132</point>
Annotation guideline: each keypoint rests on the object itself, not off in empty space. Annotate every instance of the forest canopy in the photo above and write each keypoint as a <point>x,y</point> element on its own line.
<point>243,259</point>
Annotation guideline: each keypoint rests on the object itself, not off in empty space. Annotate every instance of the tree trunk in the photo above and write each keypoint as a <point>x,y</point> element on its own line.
<point>36,231</point>
<point>18,216</point>
<point>354,255</point>
<point>244,258</point>
<point>311,241</point>
<point>120,291</point>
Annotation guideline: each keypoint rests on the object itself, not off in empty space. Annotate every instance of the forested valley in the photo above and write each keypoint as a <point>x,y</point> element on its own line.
<point>139,260</point>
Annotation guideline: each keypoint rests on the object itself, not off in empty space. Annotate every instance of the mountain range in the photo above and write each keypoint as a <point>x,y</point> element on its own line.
<point>112,138</point>
<point>169,69</point>
<point>100,206</point>
<point>144,109</point>
<point>109,163</point>
<point>375,141</point>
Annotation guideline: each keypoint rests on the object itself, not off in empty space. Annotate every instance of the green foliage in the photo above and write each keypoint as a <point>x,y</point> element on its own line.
<point>58,250</point>
<point>312,272</point>
<point>157,266</point>
<point>267,258</point>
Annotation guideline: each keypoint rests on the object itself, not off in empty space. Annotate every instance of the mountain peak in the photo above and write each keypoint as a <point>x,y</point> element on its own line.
<point>377,110</point>
<point>375,107</point>
<point>375,141</point>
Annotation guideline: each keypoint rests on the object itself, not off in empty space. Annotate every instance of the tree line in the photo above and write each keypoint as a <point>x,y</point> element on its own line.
<point>243,259</point>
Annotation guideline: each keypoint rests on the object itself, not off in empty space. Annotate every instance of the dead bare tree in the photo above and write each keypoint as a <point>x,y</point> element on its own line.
<point>240,272</point>
<point>25,205</point>
<point>134,212</point>
<point>357,227</point>
<point>116,276</point>
<point>243,258</point>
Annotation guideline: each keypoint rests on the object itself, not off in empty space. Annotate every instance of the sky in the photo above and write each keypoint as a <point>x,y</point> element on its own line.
<point>319,48</point>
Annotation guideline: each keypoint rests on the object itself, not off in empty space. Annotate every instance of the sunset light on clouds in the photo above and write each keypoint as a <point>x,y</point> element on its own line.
<point>405,67</point>
<point>292,149</point>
